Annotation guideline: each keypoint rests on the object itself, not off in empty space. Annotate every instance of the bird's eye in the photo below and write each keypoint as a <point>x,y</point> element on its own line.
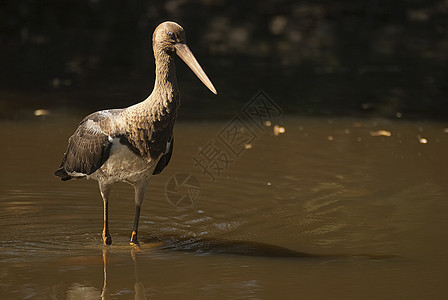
<point>171,34</point>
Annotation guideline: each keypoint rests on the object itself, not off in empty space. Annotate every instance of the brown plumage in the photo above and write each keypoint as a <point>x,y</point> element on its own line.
<point>133,143</point>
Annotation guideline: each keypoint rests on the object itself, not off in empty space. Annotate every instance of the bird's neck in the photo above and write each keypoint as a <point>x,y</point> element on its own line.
<point>165,86</point>
<point>164,98</point>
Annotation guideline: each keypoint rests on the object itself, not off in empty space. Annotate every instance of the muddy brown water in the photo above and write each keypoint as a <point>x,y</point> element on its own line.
<point>331,208</point>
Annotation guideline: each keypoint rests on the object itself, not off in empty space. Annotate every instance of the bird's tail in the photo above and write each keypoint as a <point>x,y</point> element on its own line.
<point>62,173</point>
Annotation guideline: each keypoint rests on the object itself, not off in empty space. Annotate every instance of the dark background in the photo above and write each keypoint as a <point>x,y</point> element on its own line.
<point>373,57</point>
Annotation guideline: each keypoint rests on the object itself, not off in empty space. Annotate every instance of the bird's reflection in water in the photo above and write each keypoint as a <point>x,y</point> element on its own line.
<point>138,286</point>
<point>105,294</point>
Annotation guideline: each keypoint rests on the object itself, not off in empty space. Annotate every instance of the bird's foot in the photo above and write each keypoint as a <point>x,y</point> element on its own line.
<point>135,249</point>
<point>107,239</point>
<point>134,241</point>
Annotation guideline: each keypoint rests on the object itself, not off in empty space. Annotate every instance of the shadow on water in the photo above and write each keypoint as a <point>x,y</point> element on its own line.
<point>204,246</point>
<point>213,246</point>
<point>198,245</point>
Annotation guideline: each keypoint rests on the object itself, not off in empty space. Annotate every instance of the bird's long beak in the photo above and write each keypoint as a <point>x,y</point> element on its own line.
<point>187,56</point>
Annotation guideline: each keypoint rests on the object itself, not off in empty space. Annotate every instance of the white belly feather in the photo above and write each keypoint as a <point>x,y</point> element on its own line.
<point>123,165</point>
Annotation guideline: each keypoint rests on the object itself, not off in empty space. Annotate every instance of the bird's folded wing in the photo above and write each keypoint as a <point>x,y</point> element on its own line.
<point>88,148</point>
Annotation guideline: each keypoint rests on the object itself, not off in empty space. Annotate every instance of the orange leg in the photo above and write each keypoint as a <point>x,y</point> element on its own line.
<point>107,239</point>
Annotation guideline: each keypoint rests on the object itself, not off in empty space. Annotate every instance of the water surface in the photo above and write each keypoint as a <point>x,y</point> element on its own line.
<point>332,208</point>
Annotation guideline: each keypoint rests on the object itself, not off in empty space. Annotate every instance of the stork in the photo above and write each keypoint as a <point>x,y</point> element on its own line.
<point>131,144</point>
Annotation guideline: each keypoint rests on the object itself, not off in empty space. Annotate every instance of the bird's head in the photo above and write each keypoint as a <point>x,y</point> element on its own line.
<point>170,38</point>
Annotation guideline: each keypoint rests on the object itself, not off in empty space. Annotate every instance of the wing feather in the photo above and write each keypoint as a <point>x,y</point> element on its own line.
<point>88,147</point>
<point>165,158</point>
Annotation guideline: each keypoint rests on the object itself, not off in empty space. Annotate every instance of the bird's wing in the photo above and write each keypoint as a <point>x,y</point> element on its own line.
<point>166,157</point>
<point>89,147</point>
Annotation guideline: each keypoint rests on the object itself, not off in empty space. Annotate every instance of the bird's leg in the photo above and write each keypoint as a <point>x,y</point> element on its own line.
<point>134,240</point>
<point>105,190</point>
<point>140,191</point>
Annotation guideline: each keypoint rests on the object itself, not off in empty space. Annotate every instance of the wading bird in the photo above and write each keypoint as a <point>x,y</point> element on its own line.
<point>131,144</point>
